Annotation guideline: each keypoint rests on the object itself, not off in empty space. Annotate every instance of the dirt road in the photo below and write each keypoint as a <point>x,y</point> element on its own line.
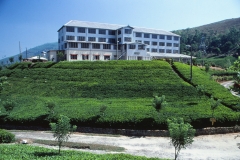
<point>222,146</point>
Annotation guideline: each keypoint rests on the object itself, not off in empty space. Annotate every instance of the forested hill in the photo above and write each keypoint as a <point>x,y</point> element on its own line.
<point>221,37</point>
<point>220,27</point>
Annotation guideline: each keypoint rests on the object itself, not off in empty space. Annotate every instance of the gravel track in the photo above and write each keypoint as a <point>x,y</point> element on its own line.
<point>220,147</point>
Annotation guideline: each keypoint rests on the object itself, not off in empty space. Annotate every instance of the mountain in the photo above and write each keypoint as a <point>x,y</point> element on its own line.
<point>36,51</point>
<point>220,27</point>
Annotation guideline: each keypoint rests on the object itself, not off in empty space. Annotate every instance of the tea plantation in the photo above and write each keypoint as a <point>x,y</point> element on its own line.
<point>116,94</point>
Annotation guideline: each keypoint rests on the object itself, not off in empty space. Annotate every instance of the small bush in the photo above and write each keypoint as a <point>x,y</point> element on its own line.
<point>9,105</point>
<point>6,137</point>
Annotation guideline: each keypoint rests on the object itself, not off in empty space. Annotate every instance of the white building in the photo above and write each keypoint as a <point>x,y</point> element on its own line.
<point>81,40</point>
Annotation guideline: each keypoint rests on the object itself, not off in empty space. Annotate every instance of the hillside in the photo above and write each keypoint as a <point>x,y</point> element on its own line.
<point>115,94</point>
<point>220,27</point>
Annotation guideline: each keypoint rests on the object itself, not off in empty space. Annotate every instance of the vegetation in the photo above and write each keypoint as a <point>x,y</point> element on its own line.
<point>6,137</point>
<point>220,38</point>
<point>33,152</point>
<point>159,102</point>
<point>181,134</point>
<point>62,130</point>
<point>114,94</point>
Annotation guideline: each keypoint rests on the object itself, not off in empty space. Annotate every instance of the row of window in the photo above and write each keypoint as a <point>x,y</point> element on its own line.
<point>91,39</point>
<point>162,50</point>
<point>86,57</point>
<point>90,30</point>
<point>155,36</point>
<point>87,45</point>
<point>126,31</point>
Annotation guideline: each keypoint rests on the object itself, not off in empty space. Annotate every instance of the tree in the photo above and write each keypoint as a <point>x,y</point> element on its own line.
<point>11,59</point>
<point>62,130</point>
<point>3,82</point>
<point>214,104</point>
<point>181,134</point>
<point>159,102</point>
<point>20,58</point>
<point>60,56</point>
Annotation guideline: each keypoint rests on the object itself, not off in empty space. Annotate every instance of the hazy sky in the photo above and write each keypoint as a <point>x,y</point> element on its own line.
<point>35,22</point>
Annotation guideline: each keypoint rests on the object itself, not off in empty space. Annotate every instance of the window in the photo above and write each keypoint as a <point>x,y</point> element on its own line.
<point>85,56</point>
<point>81,38</point>
<point>127,39</point>
<point>175,51</point>
<point>96,57</point>
<point>119,39</point>
<point>138,41</point>
<point>161,44</point>
<point>58,40</point>
<point>92,39</point>
<point>176,38</point>
<point>161,50</point>
<point>147,42</point>
<point>119,32</point>
<point>147,49</point>
<point>111,40</point>
<point>73,45</point>
<point>70,38</point>
<point>154,50</point>
<point>96,46</point>
<point>73,56</point>
<point>111,32</point>
<point>106,57</point>
<point>154,36</point>
<point>146,35</point>
<point>101,39</point>
<point>169,51</point>
<point>175,45</point>
<point>132,46</point>
<point>62,38</point>
<point>169,37</point>
<point>162,37</point>
<point>169,44</point>
<point>91,30</point>
<point>128,31</point>
<point>154,43</point>
<point>141,47</point>
<point>84,45</point>
<point>138,34</point>
<point>106,46</point>
<point>70,29</point>
<point>81,30</point>
<point>65,45</point>
<point>102,31</point>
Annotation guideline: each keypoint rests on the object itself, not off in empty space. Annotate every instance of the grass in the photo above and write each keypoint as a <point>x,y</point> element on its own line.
<point>27,152</point>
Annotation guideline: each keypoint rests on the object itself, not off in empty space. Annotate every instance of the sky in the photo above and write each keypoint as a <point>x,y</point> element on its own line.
<point>35,22</point>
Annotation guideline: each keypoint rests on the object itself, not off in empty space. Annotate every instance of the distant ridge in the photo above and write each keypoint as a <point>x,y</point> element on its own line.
<point>36,51</point>
<point>217,27</point>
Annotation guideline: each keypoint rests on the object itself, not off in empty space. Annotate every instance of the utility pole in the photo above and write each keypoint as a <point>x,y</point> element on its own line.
<point>26,52</point>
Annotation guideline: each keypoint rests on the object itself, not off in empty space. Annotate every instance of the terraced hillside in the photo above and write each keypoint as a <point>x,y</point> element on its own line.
<point>115,94</point>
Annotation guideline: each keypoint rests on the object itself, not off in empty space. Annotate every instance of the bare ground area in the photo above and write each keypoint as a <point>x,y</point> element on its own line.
<point>221,146</point>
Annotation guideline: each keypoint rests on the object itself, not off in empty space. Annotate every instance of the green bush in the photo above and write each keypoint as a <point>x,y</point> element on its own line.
<point>6,137</point>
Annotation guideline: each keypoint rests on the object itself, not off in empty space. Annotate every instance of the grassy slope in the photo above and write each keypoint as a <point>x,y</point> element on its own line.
<point>126,87</point>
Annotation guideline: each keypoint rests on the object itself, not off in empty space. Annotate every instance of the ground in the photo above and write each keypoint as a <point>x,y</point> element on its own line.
<point>221,146</point>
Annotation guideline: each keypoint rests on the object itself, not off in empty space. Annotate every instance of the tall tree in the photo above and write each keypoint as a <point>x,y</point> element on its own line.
<point>62,130</point>
<point>181,134</point>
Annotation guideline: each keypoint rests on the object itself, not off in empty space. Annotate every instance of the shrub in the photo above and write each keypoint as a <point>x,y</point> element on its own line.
<point>6,137</point>
<point>9,105</point>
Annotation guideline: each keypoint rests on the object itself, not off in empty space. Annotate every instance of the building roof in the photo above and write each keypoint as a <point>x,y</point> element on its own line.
<point>75,23</point>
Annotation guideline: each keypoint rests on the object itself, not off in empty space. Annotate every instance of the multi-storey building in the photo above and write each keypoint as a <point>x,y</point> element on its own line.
<point>99,41</point>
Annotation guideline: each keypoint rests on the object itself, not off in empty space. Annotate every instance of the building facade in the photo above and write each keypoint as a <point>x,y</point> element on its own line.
<point>81,40</point>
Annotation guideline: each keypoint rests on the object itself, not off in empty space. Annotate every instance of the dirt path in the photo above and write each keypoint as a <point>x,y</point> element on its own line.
<point>222,146</point>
